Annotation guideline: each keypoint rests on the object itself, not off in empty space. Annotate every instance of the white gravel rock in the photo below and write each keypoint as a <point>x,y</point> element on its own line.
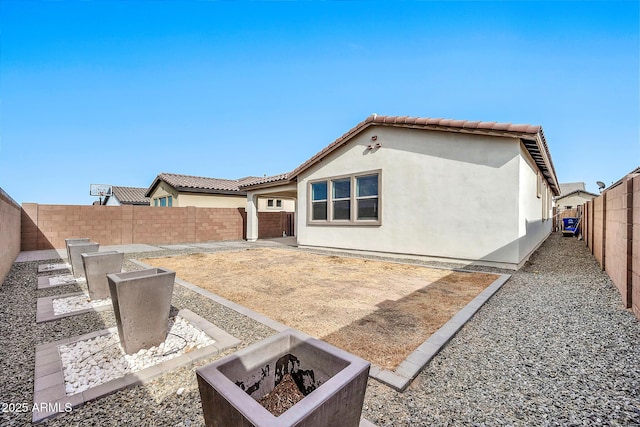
<point>79,302</point>
<point>95,361</point>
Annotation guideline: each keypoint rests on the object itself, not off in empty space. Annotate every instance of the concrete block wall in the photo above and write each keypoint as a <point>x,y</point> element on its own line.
<point>635,247</point>
<point>219,224</point>
<point>612,233</point>
<point>10,227</point>
<point>271,224</point>
<point>598,229</point>
<point>616,240</point>
<point>46,226</point>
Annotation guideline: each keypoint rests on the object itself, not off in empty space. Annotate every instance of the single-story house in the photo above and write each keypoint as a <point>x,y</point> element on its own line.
<point>469,191</point>
<point>175,190</point>
<point>126,196</point>
<point>573,199</point>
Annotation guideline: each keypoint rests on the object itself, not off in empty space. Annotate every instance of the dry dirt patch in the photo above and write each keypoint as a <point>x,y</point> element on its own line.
<point>380,311</point>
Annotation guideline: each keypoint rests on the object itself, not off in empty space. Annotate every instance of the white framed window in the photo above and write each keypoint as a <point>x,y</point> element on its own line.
<point>274,203</point>
<point>319,201</point>
<point>341,199</point>
<point>367,197</point>
<point>345,200</point>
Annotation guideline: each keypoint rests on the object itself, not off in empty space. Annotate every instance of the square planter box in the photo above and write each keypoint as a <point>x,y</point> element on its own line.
<point>141,303</point>
<point>96,267</point>
<point>74,240</point>
<point>75,251</point>
<point>332,380</point>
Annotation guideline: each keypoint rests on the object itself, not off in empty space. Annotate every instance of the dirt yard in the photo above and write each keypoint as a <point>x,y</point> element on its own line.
<point>380,311</point>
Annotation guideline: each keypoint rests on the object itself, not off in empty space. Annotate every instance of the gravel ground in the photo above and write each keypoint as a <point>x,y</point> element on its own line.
<point>553,347</point>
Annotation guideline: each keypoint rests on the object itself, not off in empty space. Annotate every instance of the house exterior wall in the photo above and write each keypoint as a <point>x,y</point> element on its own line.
<point>443,194</point>
<point>163,190</point>
<point>10,227</point>
<point>113,201</point>
<point>201,200</point>
<point>535,218</point>
<point>573,200</point>
<point>211,200</point>
<point>288,205</point>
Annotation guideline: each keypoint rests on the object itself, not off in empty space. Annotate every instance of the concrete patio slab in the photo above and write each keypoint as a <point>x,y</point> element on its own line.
<point>177,247</point>
<point>132,248</point>
<point>208,245</point>
<point>27,256</point>
<point>49,389</point>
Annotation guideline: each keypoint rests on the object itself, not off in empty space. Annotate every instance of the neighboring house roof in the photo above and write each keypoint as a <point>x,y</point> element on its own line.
<point>568,187</point>
<point>200,184</point>
<point>271,180</point>
<point>130,195</point>
<point>532,137</point>
<point>576,192</point>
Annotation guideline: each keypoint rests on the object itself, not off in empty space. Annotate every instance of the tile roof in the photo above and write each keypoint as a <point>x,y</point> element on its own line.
<point>571,193</point>
<point>130,195</point>
<point>283,177</point>
<point>200,184</point>
<point>569,187</point>
<point>532,137</point>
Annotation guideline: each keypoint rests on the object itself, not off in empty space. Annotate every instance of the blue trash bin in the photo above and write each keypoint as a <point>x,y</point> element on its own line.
<point>569,226</point>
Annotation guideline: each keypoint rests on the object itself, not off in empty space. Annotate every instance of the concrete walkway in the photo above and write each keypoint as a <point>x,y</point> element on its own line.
<point>41,255</point>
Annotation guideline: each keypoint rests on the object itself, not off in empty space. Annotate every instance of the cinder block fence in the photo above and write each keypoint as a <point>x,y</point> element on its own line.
<point>46,226</point>
<point>611,230</point>
<point>9,233</point>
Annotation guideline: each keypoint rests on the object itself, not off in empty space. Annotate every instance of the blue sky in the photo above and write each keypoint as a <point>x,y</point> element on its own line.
<point>117,92</point>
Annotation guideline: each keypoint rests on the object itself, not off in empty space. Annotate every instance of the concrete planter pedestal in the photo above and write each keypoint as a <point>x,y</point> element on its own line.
<point>96,267</point>
<point>75,258</point>
<point>141,303</point>
<point>332,380</point>
<point>74,240</point>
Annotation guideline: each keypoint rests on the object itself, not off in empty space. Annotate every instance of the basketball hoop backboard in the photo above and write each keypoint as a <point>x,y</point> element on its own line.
<point>100,190</point>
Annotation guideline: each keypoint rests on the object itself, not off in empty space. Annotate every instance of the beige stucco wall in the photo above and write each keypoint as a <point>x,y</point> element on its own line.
<point>212,200</point>
<point>288,205</point>
<point>443,194</point>
<point>200,200</point>
<point>574,200</point>
<point>162,190</point>
<point>534,213</point>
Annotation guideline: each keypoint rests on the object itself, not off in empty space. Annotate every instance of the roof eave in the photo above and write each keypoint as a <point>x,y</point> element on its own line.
<point>370,121</point>
<point>153,185</point>
<point>271,184</point>
<point>210,191</point>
